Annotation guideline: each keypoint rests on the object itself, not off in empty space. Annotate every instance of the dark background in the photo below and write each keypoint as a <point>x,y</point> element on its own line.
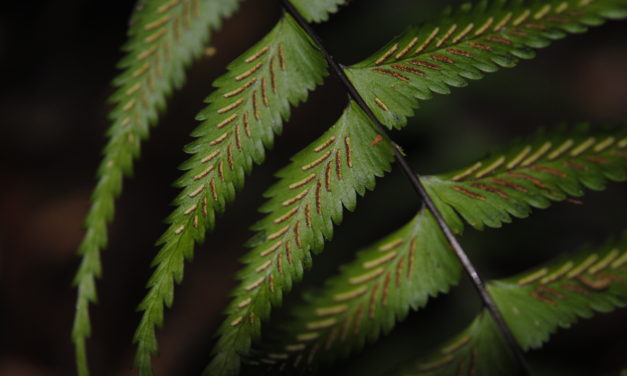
<point>57,59</point>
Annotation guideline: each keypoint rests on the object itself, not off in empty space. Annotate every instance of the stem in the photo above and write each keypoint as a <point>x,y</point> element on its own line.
<point>414,178</point>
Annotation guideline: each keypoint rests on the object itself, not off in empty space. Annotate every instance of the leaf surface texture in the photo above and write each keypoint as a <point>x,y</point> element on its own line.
<point>549,167</point>
<point>244,112</point>
<point>369,295</point>
<point>555,295</point>
<point>464,46</point>
<point>310,197</point>
<point>165,36</point>
<point>404,269</point>
<point>534,304</point>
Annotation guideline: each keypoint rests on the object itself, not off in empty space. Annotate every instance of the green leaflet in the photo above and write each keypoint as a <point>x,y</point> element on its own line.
<point>534,304</point>
<point>321,180</point>
<point>248,107</point>
<point>548,168</point>
<point>165,36</point>
<point>370,295</point>
<point>466,44</point>
<point>479,350</point>
<point>317,10</point>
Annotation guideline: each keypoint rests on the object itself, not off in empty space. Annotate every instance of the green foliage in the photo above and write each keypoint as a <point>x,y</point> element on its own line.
<point>165,36</point>
<point>321,180</point>
<point>368,297</point>
<point>243,114</point>
<point>464,45</point>
<point>549,167</point>
<point>375,291</point>
<point>479,350</point>
<point>408,266</point>
<point>319,10</point>
<point>534,305</point>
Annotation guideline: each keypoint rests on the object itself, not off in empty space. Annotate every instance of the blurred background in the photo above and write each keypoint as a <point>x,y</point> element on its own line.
<point>58,59</point>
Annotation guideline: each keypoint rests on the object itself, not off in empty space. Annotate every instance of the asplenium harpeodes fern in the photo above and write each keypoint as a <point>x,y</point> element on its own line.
<point>535,304</point>
<point>550,167</point>
<point>321,181</point>
<point>405,268</point>
<point>165,36</point>
<point>244,113</point>
<point>247,109</point>
<point>228,349</point>
<point>463,45</point>
<point>430,50</point>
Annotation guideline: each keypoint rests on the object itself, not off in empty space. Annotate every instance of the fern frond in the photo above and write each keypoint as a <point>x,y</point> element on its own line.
<point>321,180</point>
<point>370,295</point>
<point>313,332</point>
<point>479,350</point>
<point>464,45</point>
<point>165,36</point>
<point>317,10</point>
<point>534,304</point>
<point>248,107</point>
<point>549,167</point>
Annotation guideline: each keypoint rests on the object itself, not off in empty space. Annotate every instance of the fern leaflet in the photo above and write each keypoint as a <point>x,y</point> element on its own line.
<point>243,114</point>
<point>317,11</point>
<point>548,167</point>
<point>479,350</point>
<point>303,207</point>
<point>464,45</point>
<point>400,271</point>
<point>164,37</point>
<point>534,305</point>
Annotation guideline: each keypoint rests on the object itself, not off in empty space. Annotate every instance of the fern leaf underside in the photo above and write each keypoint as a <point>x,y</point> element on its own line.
<point>423,253</point>
<point>463,46</point>
<point>550,167</point>
<point>534,304</point>
<point>370,295</point>
<point>479,350</point>
<point>321,180</point>
<point>248,107</point>
<point>164,38</point>
<point>429,59</point>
